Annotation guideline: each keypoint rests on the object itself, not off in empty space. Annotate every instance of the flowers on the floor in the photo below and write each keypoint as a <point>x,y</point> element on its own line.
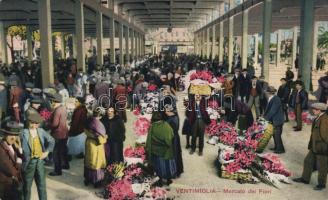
<point>120,189</point>
<point>141,126</point>
<point>238,158</point>
<point>137,111</point>
<point>159,193</point>
<point>137,152</point>
<point>132,180</point>
<point>272,164</point>
<point>307,118</point>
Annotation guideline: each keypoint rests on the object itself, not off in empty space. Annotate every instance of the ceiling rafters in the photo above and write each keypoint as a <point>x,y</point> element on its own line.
<point>169,11</point>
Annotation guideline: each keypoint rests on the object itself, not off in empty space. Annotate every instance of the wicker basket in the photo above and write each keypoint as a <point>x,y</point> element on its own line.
<point>245,175</point>
<point>265,139</point>
<point>200,89</point>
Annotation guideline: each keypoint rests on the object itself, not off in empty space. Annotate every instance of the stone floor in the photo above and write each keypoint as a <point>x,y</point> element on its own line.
<point>200,174</point>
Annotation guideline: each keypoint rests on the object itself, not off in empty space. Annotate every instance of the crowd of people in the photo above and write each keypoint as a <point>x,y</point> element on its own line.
<point>38,129</point>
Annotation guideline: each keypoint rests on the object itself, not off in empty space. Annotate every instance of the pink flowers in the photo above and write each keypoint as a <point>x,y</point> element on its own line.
<point>213,104</point>
<point>137,111</point>
<point>141,126</point>
<point>221,79</point>
<point>203,75</point>
<point>132,171</point>
<point>158,193</point>
<point>232,167</point>
<point>213,128</point>
<point>45,114</point>
<point>138,152</point>
<point>306,117</point>
<point>120,189</point>
<point>152,87</point>
<point>272,163</point>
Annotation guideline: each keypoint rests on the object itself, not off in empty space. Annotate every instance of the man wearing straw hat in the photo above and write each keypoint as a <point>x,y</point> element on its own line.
<point>318,148</point>
<point>36,144</point>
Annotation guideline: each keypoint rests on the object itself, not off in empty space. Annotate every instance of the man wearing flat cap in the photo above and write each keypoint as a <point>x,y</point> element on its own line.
<point>275,115</point>
<point>10,162</point>
<point>59,131</point>
<point>34,107</point>
<point>36,144</point>
<point>318,148</point>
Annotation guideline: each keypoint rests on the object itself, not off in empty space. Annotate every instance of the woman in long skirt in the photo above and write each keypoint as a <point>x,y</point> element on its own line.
<point>160,150</point>
<point>115,131</point>
<point>172,118</point>
<point>95,159</point>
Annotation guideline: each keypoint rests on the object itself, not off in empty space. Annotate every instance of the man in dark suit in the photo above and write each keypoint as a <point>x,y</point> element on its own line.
<point>198,118</point>
<point>283,94</point>
<point>275,115</point>
<point>318,148</point>
<point>245,84</point>
<point>299,101</point>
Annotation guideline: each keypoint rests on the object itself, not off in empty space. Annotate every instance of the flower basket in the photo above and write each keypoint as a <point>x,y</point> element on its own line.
<point>131,161</point>
<point>200,89</point>
<point>263,142</point>
<point>242,175</point>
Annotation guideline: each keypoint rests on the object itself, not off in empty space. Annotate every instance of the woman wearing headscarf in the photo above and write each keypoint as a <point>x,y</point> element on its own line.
<point>95,159</point>
<point>76,141</point>
<point>160,150</point>
<point>172,118</point>
<point>115,131</point>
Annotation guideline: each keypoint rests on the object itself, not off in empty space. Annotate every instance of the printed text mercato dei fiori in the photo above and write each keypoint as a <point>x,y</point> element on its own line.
<point>227,191</point>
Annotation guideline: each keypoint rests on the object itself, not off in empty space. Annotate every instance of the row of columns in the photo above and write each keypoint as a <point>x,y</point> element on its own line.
<point>136,46</point>
<point>308,47</point>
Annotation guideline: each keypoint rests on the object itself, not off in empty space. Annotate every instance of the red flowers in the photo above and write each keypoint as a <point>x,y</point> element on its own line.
<point>152,87</point>
<point>158,193</point>
<point>137,111</point>
<point>138,152</point>
<point>203,75</point>
<point>141,126</point>
<point>45,114</point>
<point>272,163</point>
<point>121,189</point>
<point>213,128</point>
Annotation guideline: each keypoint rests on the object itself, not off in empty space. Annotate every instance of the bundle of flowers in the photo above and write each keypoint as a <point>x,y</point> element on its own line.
<point>202,75</point>
<point>138,152</point>
<point>223,132</point>
<point>213,104</point>
<point>133,182</point>
<point>307,118</point>
<point>213,113</point>
<point>213,128</point>
<point>45,114</point>
<point>137,111</point>
<point>272,163</point>
<point>120,189</point>
<point>152,87</point>
<point>241,157</point>
<point>159,193</point>
<point>141,126</point>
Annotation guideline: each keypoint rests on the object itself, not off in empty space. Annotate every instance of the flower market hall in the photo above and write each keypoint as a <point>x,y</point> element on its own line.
<point>163,99</point>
